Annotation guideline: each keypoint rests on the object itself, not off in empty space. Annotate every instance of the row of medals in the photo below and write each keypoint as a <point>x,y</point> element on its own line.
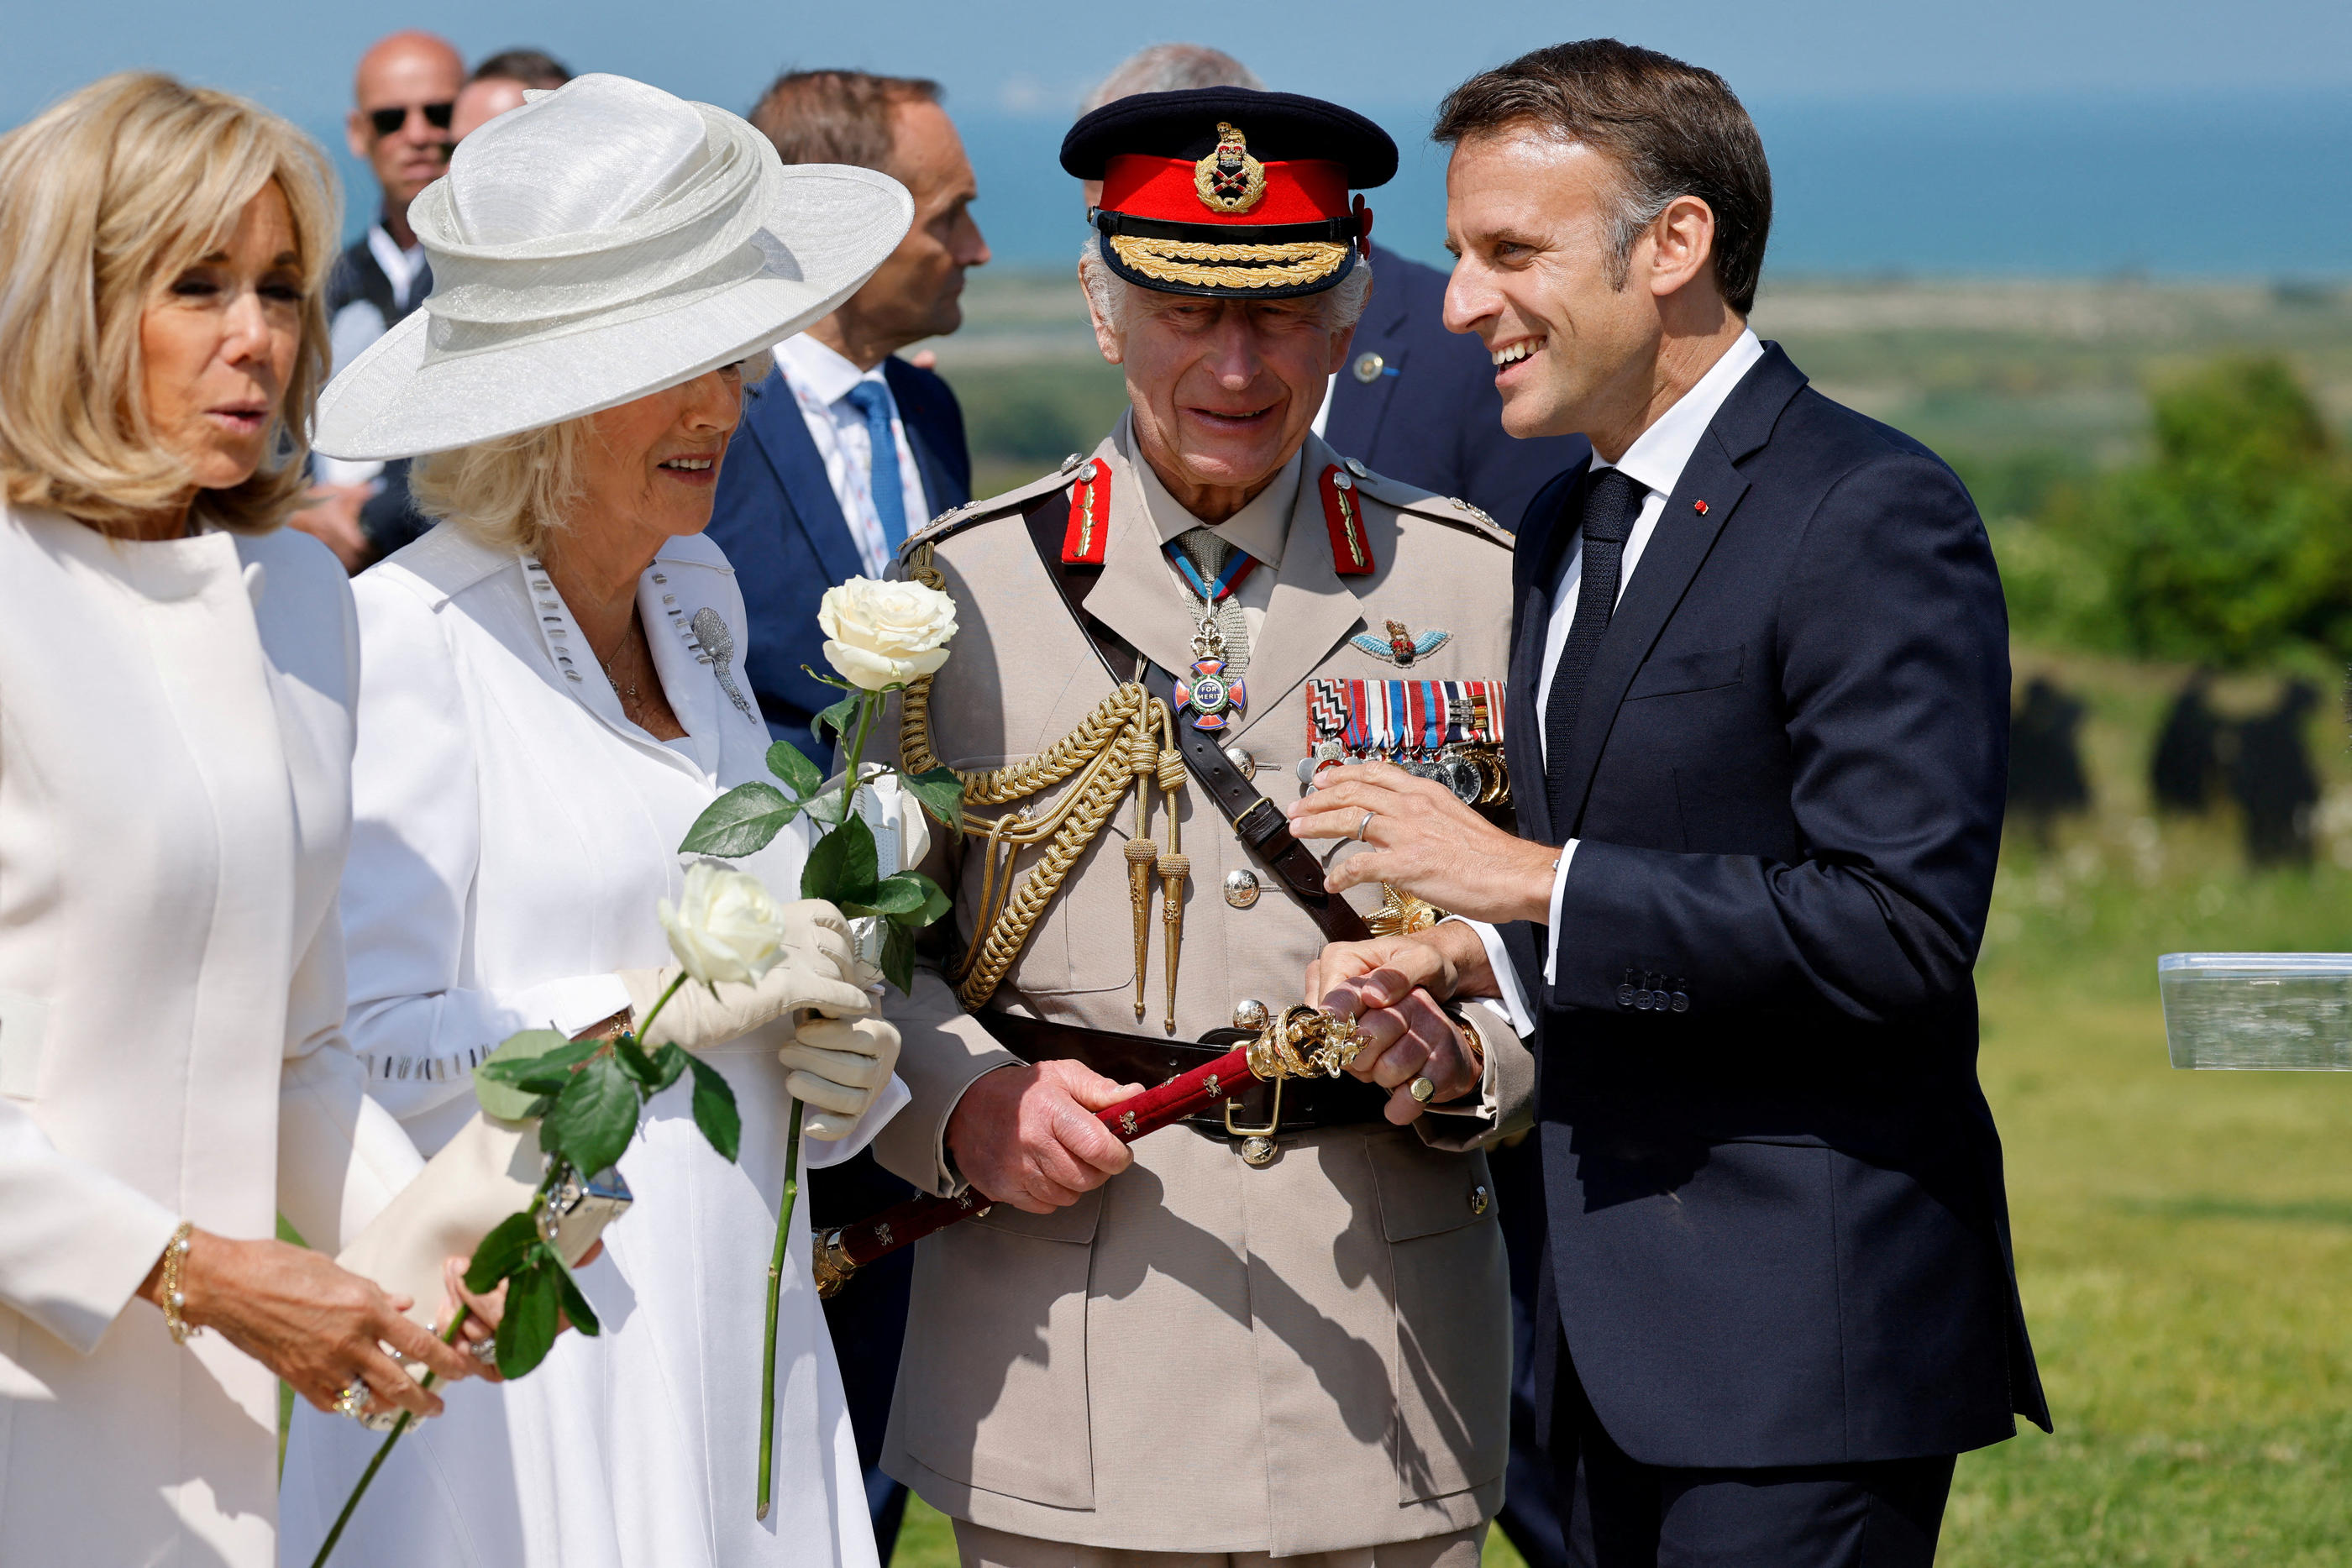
<point>1476,774</point>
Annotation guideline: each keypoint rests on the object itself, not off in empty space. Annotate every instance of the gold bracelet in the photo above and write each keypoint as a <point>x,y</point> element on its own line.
<point>175,1255</point>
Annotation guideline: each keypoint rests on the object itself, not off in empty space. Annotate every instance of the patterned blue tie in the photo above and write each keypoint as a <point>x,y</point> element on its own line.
<point>872,399</point>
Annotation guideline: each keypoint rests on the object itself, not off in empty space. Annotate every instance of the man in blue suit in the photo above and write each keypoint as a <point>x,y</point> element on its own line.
<point>1757,742</point>
<point>803,502</point>
<point>846,449</point>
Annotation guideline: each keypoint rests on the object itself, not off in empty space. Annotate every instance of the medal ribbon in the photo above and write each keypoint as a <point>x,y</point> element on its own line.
<point>1358,720</point>
<point>1432,718</point>
<point>1237,567</point>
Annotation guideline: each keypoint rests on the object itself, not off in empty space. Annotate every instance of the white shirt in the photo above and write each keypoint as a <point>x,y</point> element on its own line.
<point>821,380</point>
<point>1656,460</point>
<point>402,269</point>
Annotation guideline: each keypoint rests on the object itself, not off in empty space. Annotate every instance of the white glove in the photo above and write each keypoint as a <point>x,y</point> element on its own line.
<point>818,973</point>
<point>839,1068</point>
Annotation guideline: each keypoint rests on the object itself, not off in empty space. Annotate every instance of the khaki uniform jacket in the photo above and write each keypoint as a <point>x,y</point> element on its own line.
<point>1201,1355</point>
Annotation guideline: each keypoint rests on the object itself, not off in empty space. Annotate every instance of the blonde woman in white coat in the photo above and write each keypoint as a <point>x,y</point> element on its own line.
<point>553,693</point>
<point>176,682</point>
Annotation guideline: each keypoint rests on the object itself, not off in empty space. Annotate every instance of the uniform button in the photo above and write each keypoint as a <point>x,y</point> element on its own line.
<point>1257,1152</point>
<point>1644,1000</point>
<point>1480,1200</point>
<point>1680,1002</point>
<point>1250,1013</point>
<point>1624,996</point>
<point>1072,461</point>
<point>1356,467</point>
<point>1241,888</point>
<point>1244,763</point>
<point>1369,368</point>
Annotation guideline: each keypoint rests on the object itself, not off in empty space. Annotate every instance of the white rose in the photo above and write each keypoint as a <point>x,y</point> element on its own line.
<point>885,633</point>
<point>726,926</point>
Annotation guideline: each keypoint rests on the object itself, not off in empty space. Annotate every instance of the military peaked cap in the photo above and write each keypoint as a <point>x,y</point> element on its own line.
<point>1228,193</point>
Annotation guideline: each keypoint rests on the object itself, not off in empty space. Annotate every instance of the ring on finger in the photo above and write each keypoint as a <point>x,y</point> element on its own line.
<point>1422,1089</point>
<point>1361,826</point>
<point>353,1399</point>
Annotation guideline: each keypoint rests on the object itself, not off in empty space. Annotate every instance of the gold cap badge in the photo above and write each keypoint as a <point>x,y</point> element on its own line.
<point>1229,180</point>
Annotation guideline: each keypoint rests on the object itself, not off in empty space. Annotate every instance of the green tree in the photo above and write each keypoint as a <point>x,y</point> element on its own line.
<point>2235,543</point>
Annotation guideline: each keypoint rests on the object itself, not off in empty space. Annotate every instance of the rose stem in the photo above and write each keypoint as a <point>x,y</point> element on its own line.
<point>408,1417</point>
<point>775,1289</point>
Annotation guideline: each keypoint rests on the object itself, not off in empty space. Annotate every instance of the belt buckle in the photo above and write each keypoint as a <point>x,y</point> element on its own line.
<point>1273,1120</point>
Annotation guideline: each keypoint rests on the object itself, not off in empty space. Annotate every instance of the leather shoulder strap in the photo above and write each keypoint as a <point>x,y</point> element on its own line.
<point>1257,822</point>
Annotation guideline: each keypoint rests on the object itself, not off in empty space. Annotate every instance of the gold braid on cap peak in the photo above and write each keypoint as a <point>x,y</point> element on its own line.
<point>1192,261</point>
<point>1125,740</point>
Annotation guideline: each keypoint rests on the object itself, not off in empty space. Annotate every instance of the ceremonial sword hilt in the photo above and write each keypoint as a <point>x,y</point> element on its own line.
<point>1300,1041</point>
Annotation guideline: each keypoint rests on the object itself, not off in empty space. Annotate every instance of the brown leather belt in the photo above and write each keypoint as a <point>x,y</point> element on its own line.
<point>1307,1103</point>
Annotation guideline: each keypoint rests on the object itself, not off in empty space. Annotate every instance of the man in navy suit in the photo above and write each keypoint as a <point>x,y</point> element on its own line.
<point>802,501</point>
<point>1757,741</point>
<point>846,449</point>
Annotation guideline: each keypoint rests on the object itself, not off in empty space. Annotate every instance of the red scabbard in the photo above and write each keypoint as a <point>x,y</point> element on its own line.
<point>840,1253</point>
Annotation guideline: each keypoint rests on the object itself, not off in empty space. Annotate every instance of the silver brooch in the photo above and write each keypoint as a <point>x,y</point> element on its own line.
<point>720,643</point>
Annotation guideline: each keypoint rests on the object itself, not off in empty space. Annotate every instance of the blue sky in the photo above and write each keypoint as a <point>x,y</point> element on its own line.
<point>2065,135</point>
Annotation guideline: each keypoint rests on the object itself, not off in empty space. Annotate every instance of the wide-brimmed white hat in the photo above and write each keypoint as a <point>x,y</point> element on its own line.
<point>604,241</point>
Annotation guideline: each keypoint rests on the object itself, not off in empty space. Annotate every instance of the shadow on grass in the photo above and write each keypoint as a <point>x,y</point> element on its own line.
<point>2314,1211</point>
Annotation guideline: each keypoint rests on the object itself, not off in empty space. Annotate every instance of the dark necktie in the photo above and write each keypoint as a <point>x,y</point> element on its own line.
<point>1611,502</point>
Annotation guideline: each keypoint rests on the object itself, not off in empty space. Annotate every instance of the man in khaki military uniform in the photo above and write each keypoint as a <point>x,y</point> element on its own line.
<point>1272,1332</point>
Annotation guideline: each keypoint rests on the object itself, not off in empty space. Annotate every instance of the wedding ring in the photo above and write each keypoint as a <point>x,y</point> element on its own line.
<point>1362,825</point>
<point>1421,1088</point>
<point>353,1399</point>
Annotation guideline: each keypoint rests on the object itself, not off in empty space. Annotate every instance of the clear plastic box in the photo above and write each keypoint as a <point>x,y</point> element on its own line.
<point>2257,1011</point>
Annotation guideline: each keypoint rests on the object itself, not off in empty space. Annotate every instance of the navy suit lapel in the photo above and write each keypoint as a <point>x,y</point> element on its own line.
<point>1676,550</point>
<point>774,422</point>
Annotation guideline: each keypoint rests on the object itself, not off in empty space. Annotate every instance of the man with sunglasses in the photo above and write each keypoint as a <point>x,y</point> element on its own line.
<point>404,95</point>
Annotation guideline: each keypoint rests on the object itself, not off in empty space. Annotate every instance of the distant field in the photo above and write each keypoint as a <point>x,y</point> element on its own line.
<point>2012,382</point>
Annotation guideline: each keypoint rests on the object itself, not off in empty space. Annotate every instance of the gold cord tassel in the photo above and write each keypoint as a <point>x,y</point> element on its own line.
<point>1174,867</point>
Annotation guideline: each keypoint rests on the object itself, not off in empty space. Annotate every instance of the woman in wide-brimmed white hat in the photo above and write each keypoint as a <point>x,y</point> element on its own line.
<point>551,693</point>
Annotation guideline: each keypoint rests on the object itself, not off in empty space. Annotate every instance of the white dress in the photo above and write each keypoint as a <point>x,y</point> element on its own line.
<point>175,746</point>
<point>513,832</point>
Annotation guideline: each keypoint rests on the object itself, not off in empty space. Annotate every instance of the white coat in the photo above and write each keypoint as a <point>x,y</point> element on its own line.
<point>175,747</point>
<point>514,832</point>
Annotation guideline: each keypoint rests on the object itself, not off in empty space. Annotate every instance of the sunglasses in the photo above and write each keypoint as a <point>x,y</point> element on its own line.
<point>387,121</point>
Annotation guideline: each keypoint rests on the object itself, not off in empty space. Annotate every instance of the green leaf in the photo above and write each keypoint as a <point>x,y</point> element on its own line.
<point>527,1332</point>
<point>841,868</point>
<point>838,717</point>
<point>501,1252</point>
<point>802,778</point>
<point>714,1109</point>
<point>594,1119</point>
<point>827,809</point>
<point>575,1302</point>
<point>742,822</point>
<point>898,893</point>
<point>671,1059</point>
<point>898,957</point>
<point>940,792</point>
<point>640,1067</point>
<point>935,904</point>
<point>514,1083</point>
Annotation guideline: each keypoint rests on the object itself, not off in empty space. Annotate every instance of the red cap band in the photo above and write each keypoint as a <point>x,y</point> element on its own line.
<point>1301,191</point>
